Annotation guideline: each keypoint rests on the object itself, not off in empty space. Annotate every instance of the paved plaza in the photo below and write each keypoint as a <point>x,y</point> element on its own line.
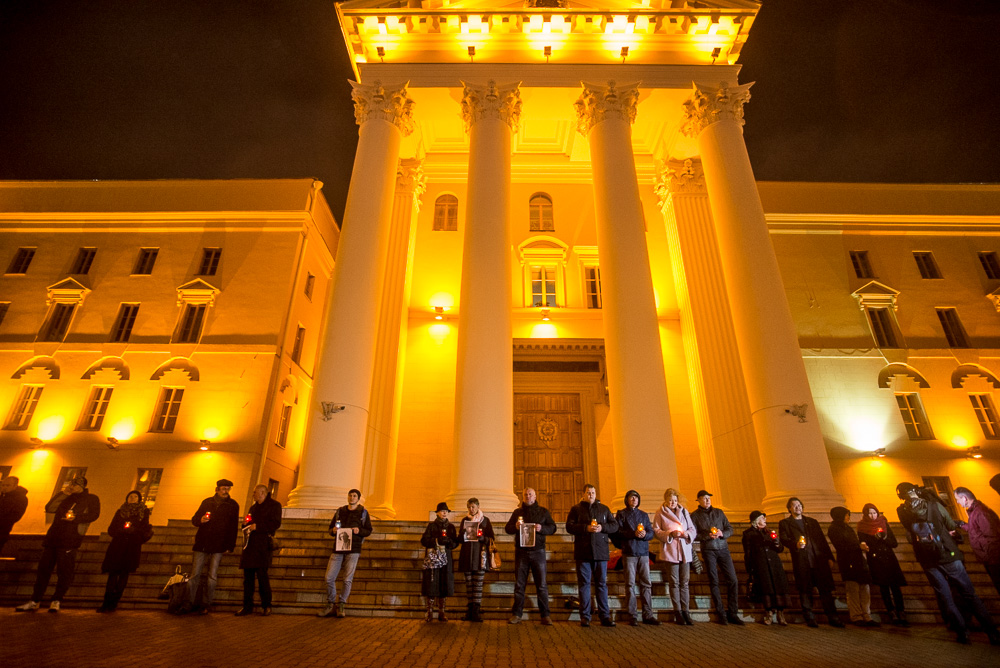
<point>82,638</point>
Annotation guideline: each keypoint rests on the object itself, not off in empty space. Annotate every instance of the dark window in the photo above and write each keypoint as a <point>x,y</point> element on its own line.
<point>986,413</point>
<point>84,258</point>
<point>446,213</point>
<point>97,406</point>
<point>883,327</point>
<point>540,213</point>
<point>58,324</point>
<point>926,264</point>
<point>147,482</point>
<point>123,325</point>
<point>941,485</point>
<point>210,261</point>
<point>283,421</point>
<point>66,474</point>
<point>191,323</point>
<point>272,487</point>
<point>310,284</point>
<point>4,307</point>
<point>991,264</point>
<point>146,260</point>
<point>167,408</point>
<point>300,335</point>
<point>20,417</point>
<point>953,329</point>
<point>592,278</point>
<point>862,266</point>
<point>21,261</point>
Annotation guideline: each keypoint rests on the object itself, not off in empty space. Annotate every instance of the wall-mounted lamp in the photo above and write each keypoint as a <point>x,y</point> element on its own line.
<point>624,54</point>
<point>330,409</point>
<point>547,52</point>
<point>112,443</point>
<point>974,453</point>
<point>204,444</point>
<point>545,314</point>
<point>36,442</point>
<point>878,453</point>
<point>439,313</point>
<point>380,52</point>
<point>472,54</point>
<point>715,53</point>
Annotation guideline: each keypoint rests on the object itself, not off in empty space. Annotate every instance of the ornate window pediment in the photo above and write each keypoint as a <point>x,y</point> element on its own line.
<point>875,294</point>
<point>197,292</point>
<point>994,298</point>
<point>66,291</point>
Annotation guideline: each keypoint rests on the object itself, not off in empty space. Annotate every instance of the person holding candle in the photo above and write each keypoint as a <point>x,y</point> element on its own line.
<point>530,557</point>
<point>72,510</point>
<point>635,530</point>
<point>853,566</point>
<point>713,530</point>
<point>811,559</point>
<point>217,519</point>
<point>474,558</point>
<point>355,517</point>
<point>761,548</point>
<point>590,522</point>
<point>259,525</point>
<point>439,583</point>
<point>876,534</point>
<point>129,529</point>
<point>673,526</point>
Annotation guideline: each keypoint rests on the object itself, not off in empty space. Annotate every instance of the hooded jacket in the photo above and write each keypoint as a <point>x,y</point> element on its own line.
<point>628,520</point>
<point>590,546</point>
<point>65,533</point>
<point>12,507</point>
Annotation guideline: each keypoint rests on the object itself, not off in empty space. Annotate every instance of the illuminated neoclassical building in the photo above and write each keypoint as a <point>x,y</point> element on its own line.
<point>556,267</point>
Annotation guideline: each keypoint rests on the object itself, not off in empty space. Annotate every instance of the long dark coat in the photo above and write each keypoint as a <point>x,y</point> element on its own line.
<point>762,563</point>
<point>439,582</point>
<point>850,557</point>
<point>882,562</point>
<point>218,534</point>
<point>125,549</point>
<point>818,574</point>
<point>470,557</point>
<point>267,516</point>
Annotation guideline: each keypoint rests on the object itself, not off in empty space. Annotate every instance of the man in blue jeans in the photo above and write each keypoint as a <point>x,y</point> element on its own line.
<point>590,522</point>
<point>218,520</point>
<point>530,558</point>
<point>714,530</point>
<point>354,517</point>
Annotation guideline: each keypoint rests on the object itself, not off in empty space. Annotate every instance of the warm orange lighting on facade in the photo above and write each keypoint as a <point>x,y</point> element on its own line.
<point>439,332</point>
<point>544,330</point>
<point>50,428</point>
<point>211,433</point>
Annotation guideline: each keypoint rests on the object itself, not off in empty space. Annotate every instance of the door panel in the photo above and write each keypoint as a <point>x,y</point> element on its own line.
<point>548,449</point>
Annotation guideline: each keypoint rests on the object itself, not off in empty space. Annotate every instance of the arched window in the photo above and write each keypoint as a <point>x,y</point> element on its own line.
<point>446,213</point>
<point>540,213</point>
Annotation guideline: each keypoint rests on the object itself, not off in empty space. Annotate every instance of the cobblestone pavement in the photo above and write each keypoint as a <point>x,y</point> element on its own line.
<point>82,638</point>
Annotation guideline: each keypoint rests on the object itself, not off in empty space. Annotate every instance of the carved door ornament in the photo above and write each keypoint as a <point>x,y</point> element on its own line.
<point>547,430</point>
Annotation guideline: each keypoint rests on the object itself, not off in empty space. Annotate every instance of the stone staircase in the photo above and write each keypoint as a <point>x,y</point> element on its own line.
<point>387,581</point>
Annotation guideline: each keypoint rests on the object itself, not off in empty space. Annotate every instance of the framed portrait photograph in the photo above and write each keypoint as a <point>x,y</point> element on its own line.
<point>345,537</point>
<point>527,535</point>
<point>471,530</point>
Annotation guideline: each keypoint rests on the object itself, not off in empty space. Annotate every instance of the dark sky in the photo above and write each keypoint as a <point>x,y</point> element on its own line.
<point>847,90</point>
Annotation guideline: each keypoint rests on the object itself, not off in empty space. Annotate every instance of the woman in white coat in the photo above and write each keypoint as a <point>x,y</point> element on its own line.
<point>673,526</point>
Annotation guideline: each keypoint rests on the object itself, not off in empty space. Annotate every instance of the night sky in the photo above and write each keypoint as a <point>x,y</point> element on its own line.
<point>847,90</point>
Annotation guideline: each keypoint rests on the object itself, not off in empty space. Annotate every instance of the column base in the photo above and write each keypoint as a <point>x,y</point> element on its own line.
<point>314,496</point>
<point>815,502</point>
<point>490,500</point>
<point>382,511</point>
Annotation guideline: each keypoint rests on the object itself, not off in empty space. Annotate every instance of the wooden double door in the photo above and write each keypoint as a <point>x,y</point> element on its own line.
<point>548,449</point>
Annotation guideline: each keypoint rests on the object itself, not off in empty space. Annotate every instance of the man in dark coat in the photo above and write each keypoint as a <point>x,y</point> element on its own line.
<point>13,503</point>
<point>811,562</point>
<point>634,532</point>
<point>355,517</point>
<point>713,531</point>
<point>984,532</point>
<point>530,558</point>
<point>590,522</point>
<point>261,522</point>
<point>932,533</point>
<point>217,519</point>
<point>74,508</point>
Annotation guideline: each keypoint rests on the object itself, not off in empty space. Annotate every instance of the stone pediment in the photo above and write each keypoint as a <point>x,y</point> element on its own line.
<point>875,294</point>
<point>197,292</point>
<point>67,291</point>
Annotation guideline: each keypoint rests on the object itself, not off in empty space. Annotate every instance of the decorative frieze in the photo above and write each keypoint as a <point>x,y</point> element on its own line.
<point>491,101</point>
<point>708,105</point>
<point>598,102</point>
<point>375,101</point>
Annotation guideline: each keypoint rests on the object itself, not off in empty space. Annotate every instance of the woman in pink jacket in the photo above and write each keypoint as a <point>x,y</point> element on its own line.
<point>673,526</point>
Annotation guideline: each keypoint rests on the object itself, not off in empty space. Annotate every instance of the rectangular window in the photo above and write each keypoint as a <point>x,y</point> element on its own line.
<point>167,408</point>
<point>926,264</point>
<point>191,323</point>
<point>24,407</point>
<point>883,327</point>
<point>300,335</point>
<point>941,485</point>
<point>210,261</point>
<point>123,324</point>
<point>283,421</point>
<point>953,329</point>
<point>84,258</point>
<point>67,473</point>
<point>543,286</point>
<point>58,323</point>
<point>144,263</point>
<point>97,406</point>
<point>310,284</point>
<point>914,418</point>
<point>21,262</point>
<point>4,307</point>
<point>147,482</point>
<point>592,278</point>
<point>862,266</point>
<point>272,487</point>
<point>991,264</point>
<point>986,413</point>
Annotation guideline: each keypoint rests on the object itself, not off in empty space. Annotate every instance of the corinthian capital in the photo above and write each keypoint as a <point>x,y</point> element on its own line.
<point>374,101</point>
<point>410,178</point>
<point>491,101</point>
<point>708,105</point>
<point>599,102</point>
<point>679,176</point>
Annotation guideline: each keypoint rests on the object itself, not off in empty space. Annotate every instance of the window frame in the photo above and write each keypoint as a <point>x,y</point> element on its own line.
<point>861,261</point>
<point>23,410</point>
<point>952,326</point>
<point>310,285</point>
<point>541,213</point>
<point>593,299</point>
<point>23,256</point>
<point>445,213</point>
<point>914,417</point>
<point>191,324</point>
<point>121,331</point>
<point>927,265</point>
<point>150,488</point>
<point>167,410</point>
<point>298,344</point>
<point>94,411</point>
<point>58,322</point>
<point>986,414</point>
<point>67,473</point>
<point>210,258</point>
<point>544,270</point>
<point>885,331</point>
<point>84,261</point>
<point>4,309</point>
<point>990,263</point>
<point>284,423</point>
<point>145,262</point>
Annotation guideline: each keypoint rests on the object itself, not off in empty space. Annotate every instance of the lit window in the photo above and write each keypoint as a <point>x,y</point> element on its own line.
<point>914,419</point>
<point>189,330</point>
<point>540,213</point>
<point>283,421</point>
<point>57,325</point>
<point>97,406</point>
<point>24,407</point>
<point>310,285</point>
<point>210,261</point>
<point>84,258</point>
<point>862,265</point>
<point>144,263</point>
<point>991,264</point>
<point>300,336</point>
<point>446,213</point>
<point>21,262</point>
<point>543,286</point>
<point>123,324</point>
<point>592,278</point>
<point>986,413</point>
<point>167,408</point>
<point>883,325</point>
<point>147,483</point>
<point>926,264</point>
<point>953,329</point>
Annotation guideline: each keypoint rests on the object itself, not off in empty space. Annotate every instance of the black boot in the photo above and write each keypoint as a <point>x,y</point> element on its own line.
<point>469,615</point>
<point>477,612</point>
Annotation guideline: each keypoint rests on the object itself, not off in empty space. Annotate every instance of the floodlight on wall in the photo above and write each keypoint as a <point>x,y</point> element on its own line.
<point>472,54</point>
<point>112,443</point>
<point>439,313</point>
<point>545,314</point>
<point>204,444</point>
<point>380,52</point>
<point>547,52</point>
<point>974,453</point>
<point>715,53</point>
<point>878,453</point>
<point>36,442</point>
<point>624,54</point>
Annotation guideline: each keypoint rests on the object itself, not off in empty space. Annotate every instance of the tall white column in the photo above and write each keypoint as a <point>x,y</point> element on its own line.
<point>640,412</point>
<point>334,446</point>
<point>484,387</point>
<point>792,453</point>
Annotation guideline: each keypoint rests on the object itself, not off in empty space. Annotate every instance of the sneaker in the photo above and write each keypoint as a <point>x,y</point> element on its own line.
<point>546,621</point>
<point>329,611</point>
<point>30,606</point>
<point>54,606</point>
<point>340,610</point>
<point>515,619</point>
